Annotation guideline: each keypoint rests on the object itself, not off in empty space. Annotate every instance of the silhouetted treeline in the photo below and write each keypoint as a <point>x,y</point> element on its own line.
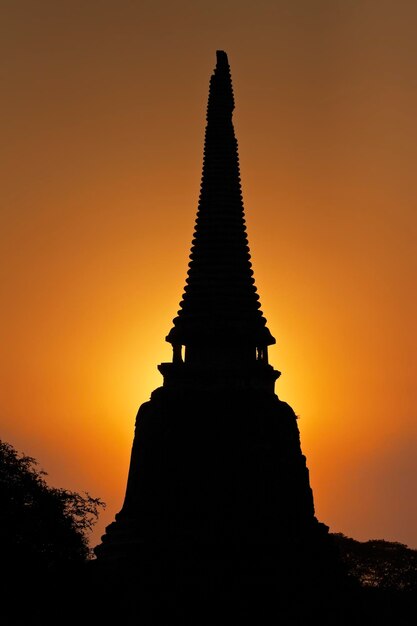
<point>379,564</point>
<point>40,525</point>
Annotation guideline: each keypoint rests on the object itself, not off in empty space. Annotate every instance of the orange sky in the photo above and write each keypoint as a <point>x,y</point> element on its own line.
<point>102,126</point>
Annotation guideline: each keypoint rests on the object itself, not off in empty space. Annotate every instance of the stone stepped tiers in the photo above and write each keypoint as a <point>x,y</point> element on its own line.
<point>220,317</point>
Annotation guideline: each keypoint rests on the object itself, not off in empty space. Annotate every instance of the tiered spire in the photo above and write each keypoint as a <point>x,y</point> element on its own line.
<point>220,313</point>
<point>218,497</point>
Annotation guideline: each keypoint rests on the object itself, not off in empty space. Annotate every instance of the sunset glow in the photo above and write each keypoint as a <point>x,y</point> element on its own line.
<point>103,127</point>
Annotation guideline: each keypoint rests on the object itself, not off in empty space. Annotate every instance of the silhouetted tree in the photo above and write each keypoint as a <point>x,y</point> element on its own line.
<point>379,564</point>
<point>41,526</point>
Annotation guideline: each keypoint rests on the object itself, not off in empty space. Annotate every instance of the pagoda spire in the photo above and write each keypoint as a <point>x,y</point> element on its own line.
<point>220,321</point>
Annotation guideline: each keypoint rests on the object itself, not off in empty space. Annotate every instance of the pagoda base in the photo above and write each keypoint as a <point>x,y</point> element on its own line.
<point>290,584</point>
<point>218,497</point>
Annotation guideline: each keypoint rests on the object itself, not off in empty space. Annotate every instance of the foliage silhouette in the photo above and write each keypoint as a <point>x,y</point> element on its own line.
<point>41,526</point>
<point>379,564</point>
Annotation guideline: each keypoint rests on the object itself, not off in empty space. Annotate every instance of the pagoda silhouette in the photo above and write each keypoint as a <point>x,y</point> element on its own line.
<point>218,503</point>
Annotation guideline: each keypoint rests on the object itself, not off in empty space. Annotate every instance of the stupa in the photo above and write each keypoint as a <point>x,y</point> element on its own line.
<point>218,493</point>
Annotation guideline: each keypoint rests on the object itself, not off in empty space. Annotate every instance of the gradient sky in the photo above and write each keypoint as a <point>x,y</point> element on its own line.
<point>103,112</point>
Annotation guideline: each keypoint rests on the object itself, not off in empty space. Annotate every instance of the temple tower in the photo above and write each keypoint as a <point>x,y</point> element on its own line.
<point>218,487</point>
